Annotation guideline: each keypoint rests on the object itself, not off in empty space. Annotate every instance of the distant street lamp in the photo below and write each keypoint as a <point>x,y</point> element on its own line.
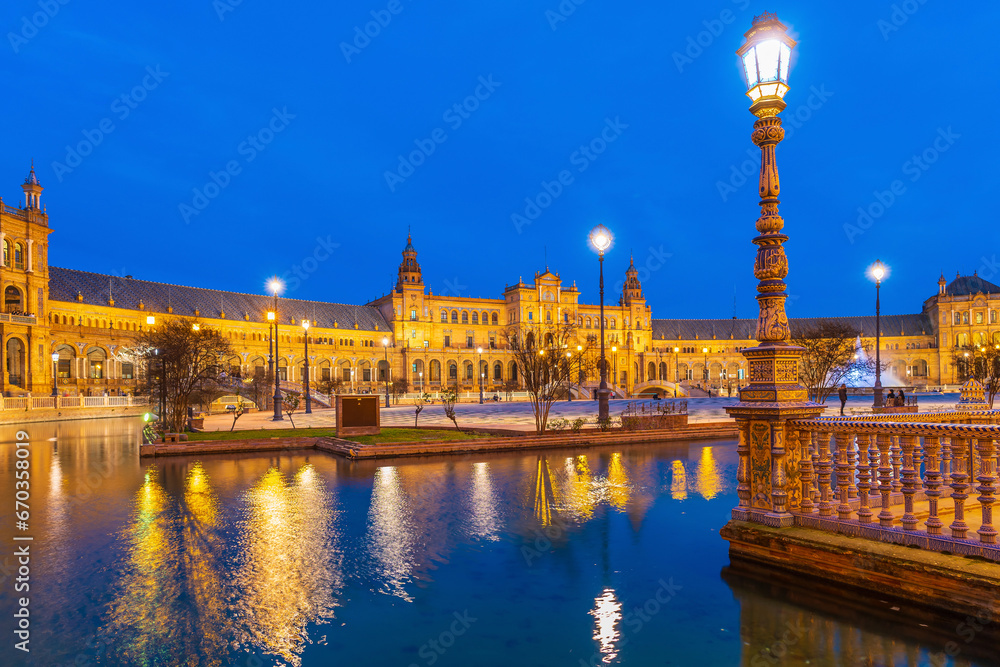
<point>704,373</point>
<point>271,361</point>
<point>579,361</point>
<point>275,285</point>
<point>305,379</point>
<point>480,369</point>
<point>614,365</point>
<point>878,272</point>
<point>677,368</point>
<point>385,356</point>
<point>601,238</point>
<point>421,385</point>
<point>569,376</point>
<point>55,374</point>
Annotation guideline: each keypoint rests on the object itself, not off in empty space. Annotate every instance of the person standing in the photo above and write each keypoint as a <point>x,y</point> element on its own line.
<point>843,397</point>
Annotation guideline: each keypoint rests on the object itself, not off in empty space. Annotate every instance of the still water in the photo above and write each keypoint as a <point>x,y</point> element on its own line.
<point>600,556</point>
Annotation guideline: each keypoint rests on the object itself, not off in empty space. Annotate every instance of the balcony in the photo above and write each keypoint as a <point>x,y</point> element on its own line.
<point>30,320</point>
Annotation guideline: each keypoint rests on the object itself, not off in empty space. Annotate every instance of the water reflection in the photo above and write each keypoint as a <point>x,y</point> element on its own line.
<point>678,481</point>
<point>708,474</point>
<point>390,532</point>
<point>607,617</point>
<point>483,504</point>
<point>543,492</point>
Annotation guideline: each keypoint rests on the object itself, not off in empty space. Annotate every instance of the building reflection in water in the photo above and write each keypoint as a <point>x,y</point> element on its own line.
<point>576,492</point>
<point>607,619</point>
<point>544,496</point>
<point>288,572</point>
<point>391,535</point>
<point>484,504</point>
<point>678,481</point>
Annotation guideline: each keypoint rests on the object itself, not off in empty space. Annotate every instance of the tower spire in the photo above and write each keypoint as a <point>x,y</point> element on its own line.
<point>32,189</point>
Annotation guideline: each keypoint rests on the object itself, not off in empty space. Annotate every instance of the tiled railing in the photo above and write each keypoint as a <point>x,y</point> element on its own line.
<point>30,402</point>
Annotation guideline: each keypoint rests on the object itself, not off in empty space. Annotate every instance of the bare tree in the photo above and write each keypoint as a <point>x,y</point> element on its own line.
<point>509,387</point>
<point>830,355</point>
<point>539,351</point>
<point>399,387</point>
<point>241,408</point>
<point>448,399</point>
<point>290,403</point>
<point>182,361</point>
<point>419,402</point>
<point>981,363</point>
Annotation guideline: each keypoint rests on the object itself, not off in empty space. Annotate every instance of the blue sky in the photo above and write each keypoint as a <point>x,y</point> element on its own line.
<point>247,140</point>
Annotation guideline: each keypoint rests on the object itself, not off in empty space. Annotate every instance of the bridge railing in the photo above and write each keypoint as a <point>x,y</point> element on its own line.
<point>925,480</point>
<point>29,402</point>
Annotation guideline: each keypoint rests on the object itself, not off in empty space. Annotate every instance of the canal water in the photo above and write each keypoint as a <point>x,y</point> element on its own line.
<point>599,556</point>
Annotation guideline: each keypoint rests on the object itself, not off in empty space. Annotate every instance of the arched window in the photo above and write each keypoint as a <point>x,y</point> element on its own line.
<point>979,318</point>
<point>468,370</point>
<point>435,371</point>
<point>650,371</point>
<point>465,317</point>
<point>18,256</point>
<point>548,340</point>
<point>493,318</point>
<point>958,318</point>
<point>6,252</point>
<point>965,318</point>
<point>452,370</point>
<point>663,370</point>
<point>475,317</point>
<point>588,323</point>
<point>512,371</point>
<point>486,317</point>
<point>444,315</point>
<point>612,323</point>
<point>498,371</point>
<point>95,363</point>
<point>12,302</point>
<point>993,317</point>
<point>548,316</point>
<point>454,316</point>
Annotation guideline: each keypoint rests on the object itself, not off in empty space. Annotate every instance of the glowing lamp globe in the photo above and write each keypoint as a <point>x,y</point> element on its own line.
<point>878,271</point>
<point>766,56</point>
<point>600,238</point>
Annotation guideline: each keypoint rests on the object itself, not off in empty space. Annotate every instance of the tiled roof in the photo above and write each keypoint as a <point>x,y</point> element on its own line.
<point>64,284</point>
<point>965,285</point>
<point>745,329</point>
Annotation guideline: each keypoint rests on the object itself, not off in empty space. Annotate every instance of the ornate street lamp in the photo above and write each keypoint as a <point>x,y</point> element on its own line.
<point>55,374</point>
<point>305,379</point>
<point>480,369</point>
<point>774,394</point>
<point>385,356</point>
<point>614,365</point>
<point>421,376</point>
<point>601,238</point>
<point>569,376</point>
<point>276,286</point>
<point>271,361</point>
<point>579,375</point>
<point>878,273</point>
<point>704,372</point>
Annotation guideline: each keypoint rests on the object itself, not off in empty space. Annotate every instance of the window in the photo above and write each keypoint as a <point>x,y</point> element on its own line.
<point>958,318</point>
<point>475,318</point>
<point>62,368</point>
<point>530,316</point>
<point>128,371</point>
<point>979,318</point>
<point>6,252</point>
<point>993,317</point>
<point>454,316</point>
<point>469,341</point>
<point>18,256</point>
<point>452,371</point>
<point>468,371</point>
<point>366,374</point>
<point>447,341</point>
<point>413,314</point>
<point>465,317</point>
<point>444,315</point>
<point>965,318</point>
<point>497,371</point>
<point>493,319</point>
<point>324,373</point>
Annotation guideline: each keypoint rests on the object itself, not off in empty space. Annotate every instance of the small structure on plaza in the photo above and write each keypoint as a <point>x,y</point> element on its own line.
<point>358,415</point>
<point>973,395</point>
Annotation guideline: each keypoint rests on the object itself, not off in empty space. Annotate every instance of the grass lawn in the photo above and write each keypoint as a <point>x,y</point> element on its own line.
<point>387,435</point>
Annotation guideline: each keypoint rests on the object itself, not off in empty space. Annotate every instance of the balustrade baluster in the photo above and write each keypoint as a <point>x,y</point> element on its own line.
<point>845,479</point>
<point>987,488</point>
<point>806,473</point>
<point>873,464</point>
<point>852,457</point>
<point>946,460</point>
<point>959,485</point>
<point>815,460</point>
<point>896,456</point>
<point>933,481</point>
<point>885,517</point>
<point>825,473</point>
<point>909,477</point>
<point>864,478</point>
<point>743,471</point>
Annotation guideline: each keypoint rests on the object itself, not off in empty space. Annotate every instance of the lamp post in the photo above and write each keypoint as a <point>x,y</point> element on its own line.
<point>600,238</point>
<point>275,285</point>
<point>569,376</point>
<point>271,361</point>
<point>614,365</point>
<point>55,374</point>
<point>677,369</point>
<point>420,375</point>
<point>704,371</point>
<point>385,357</point>
<point>305,379</point>
<point>774,394</point>
<point>878,272</point>
<point>479,368</point>
<point>579,361</point>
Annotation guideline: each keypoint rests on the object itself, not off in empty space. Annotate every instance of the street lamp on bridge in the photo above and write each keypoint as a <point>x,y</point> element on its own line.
<point>878,272</point>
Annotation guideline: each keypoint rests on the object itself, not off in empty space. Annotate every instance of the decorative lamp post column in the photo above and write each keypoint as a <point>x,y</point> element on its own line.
<point>305,379</point>
<point>579,373</point>
<point>774,394</point>
<point>55,374</point>
<point>275,285</point>
<point>878,273</point>
<point>569,376</point>
<point>479,368</point>
<point>270,344</point>
<point>421,376</point>
<point>704,371</point>
<point>385,357</point>
<point>614,365</point>
<point>600,238</point>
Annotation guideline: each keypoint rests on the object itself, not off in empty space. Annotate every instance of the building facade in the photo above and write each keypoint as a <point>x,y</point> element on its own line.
<point>90,320</point>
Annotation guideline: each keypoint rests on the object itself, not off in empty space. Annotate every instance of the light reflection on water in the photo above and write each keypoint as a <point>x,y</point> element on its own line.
<point>296,558</point>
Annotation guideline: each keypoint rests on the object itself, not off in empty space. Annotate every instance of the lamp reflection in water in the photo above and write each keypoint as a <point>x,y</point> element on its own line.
<point>708,474</point>
<point>288,571</point>
<point>544,496</point>
<point>618,483</point>
<point>579,496</point>
<point>607,613</point>
<point>678,481</point>
<point>483,504</point>
<point>390,537</point>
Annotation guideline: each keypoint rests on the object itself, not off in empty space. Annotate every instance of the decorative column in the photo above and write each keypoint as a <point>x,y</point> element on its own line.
<point>774,394</point>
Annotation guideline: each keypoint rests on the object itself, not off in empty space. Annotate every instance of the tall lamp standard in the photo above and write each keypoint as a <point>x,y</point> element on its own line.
<point>569,376</point>
<point>704,373</point>
<point>421,376</point>
<point>878,272</point>
<point>480,369</point>
<point>275,285</point>
<point>579,375</point>
<point>55,374</point>
<point>614,364</point>
<point>600,238</point>
<point>385,357</point>
<point>305,379</point>
<point>774,395</point>
<point>271,360</point>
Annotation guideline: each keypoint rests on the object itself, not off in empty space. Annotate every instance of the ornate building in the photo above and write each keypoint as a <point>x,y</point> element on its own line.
<point>90,319</point>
